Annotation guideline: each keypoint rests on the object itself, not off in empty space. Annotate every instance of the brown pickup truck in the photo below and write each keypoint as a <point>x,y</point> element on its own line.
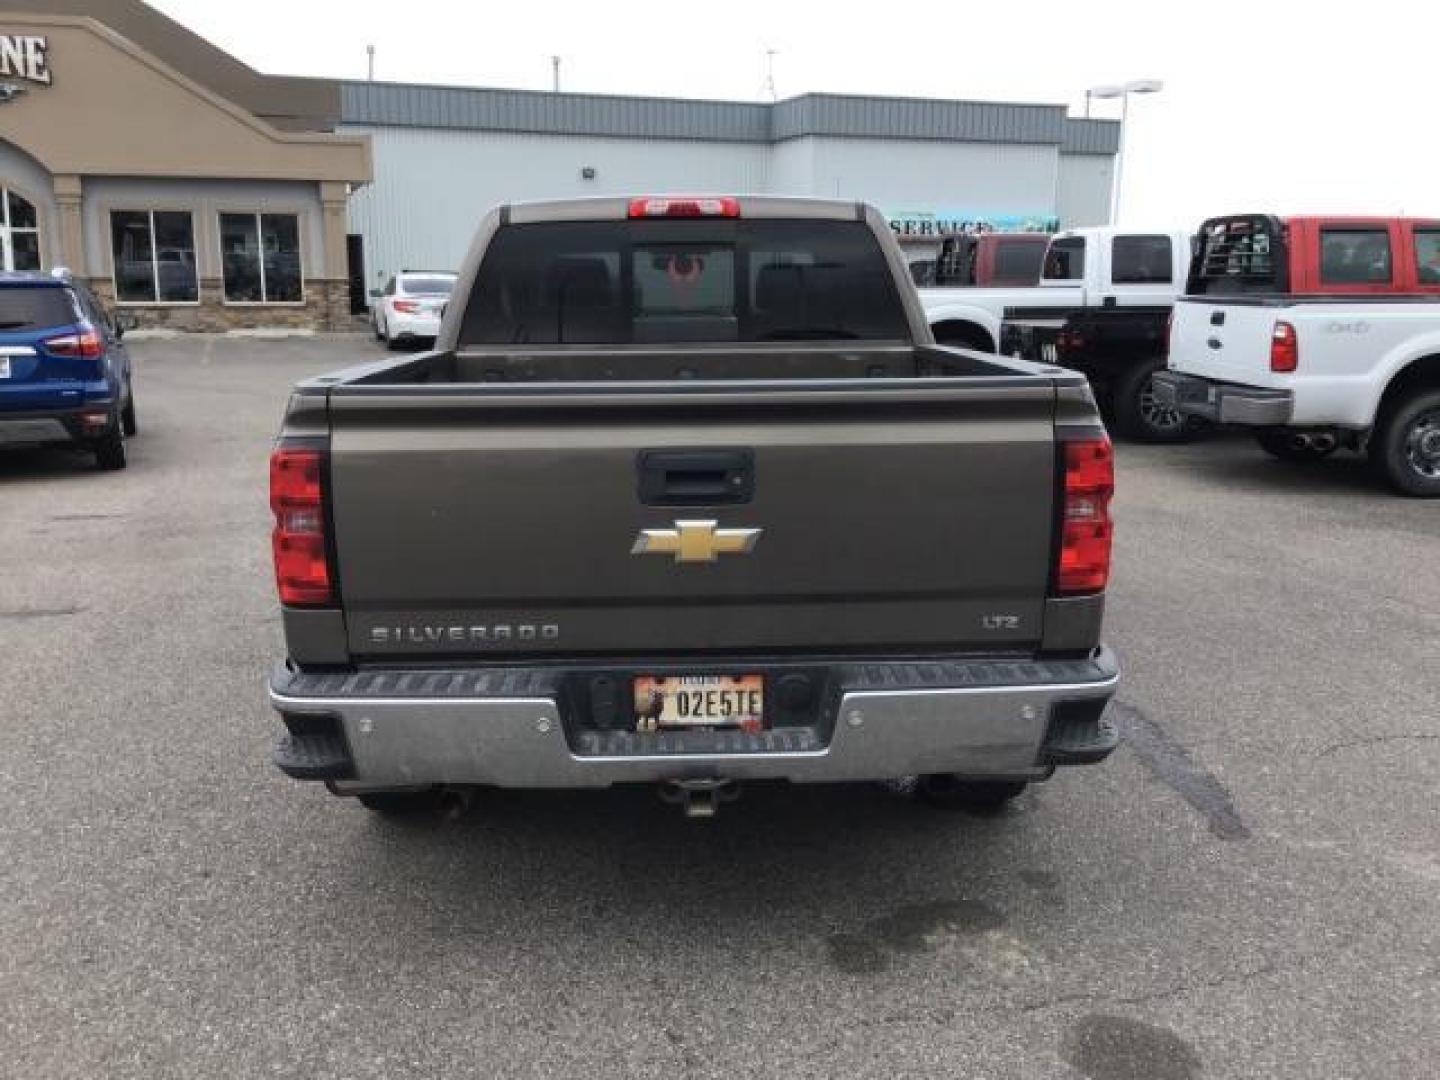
<point>687,495</point>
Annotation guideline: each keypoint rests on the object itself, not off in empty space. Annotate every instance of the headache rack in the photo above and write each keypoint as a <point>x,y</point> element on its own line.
<point>1239,254</point>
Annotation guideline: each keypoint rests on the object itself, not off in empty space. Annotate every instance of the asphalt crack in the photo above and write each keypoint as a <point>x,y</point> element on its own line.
<point>1174,766</point>
<point>1373,740</point>
<point>40,613</point>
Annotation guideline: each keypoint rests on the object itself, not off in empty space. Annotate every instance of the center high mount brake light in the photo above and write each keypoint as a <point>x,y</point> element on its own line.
<point>650,206</point>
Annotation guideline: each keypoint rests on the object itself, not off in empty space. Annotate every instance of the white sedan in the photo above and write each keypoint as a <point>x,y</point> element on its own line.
<point>409,307</point>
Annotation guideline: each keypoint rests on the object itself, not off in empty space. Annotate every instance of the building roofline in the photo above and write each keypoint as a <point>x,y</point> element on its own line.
<point>430,105</point>
<point>680,100</point>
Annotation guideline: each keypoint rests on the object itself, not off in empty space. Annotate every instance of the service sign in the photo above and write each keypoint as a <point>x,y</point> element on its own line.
<point>25,58</point>
<point>940,223</point>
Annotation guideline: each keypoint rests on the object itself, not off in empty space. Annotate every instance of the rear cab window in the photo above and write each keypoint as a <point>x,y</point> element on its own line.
<point>956,263</point>
<point>624,282</point>
<point>1018,262</point>
<point>1141,260</point>
<point>1065,259</point>
<point>35,307</point>
<point>1238,255</point>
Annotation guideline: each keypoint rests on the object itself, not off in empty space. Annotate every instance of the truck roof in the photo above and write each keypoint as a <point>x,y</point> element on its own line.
<point>618,207</point>
<point>1126,230</point>
<point>1358,219</point>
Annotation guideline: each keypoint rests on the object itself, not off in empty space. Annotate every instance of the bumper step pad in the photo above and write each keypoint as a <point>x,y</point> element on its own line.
<point>1079,740</point>
<point>313,757</point>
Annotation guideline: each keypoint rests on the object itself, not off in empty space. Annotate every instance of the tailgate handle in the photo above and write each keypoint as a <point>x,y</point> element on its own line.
<point>696,477</point>
<point>1215,343</point>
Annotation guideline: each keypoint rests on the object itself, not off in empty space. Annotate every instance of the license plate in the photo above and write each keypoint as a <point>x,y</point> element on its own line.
<point>4,367</point>
<point>682,701</point>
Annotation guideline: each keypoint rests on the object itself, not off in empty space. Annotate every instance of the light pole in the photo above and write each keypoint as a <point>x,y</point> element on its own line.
<point>1123,92</point>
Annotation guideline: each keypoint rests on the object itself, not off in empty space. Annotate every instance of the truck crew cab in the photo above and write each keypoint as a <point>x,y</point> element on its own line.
<point>1100,308</point>
<point>1318,333</point>
<point>689,496</point>
<point>986,260</point>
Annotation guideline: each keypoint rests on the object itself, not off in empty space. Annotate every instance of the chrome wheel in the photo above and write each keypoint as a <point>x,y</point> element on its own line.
<point>1156,414</point>
<point>1422,445</point>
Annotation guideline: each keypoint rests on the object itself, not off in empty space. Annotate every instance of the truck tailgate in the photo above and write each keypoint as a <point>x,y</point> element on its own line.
<point>1225,340</point>
<point>507,520</point>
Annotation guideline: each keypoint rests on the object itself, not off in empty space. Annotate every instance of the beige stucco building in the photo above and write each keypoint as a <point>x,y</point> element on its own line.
<point>181,184</point>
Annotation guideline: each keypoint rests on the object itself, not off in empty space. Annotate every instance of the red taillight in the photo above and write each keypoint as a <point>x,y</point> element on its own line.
<point>302,568</point>
<point>1284,348</point>
<point>689,206</point>
<point>86,343</point>
<point>407,306</point>
<point>1083,562</point>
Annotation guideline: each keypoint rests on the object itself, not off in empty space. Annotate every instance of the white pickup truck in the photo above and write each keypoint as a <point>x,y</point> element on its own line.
<point>1319,333</point>
<point>1100,308</point>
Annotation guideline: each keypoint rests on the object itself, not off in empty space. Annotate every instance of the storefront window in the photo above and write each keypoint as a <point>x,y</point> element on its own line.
<point>22,212</point>
<point>19,233</point>
<point>261,258</point>
<point>154,252</point>
<point>25,249</point>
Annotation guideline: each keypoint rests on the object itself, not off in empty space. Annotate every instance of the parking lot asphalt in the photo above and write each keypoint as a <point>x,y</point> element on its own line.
<point>1249,888</point>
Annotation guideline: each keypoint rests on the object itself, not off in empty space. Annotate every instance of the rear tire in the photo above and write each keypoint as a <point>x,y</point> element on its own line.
<point>947,791</point>
<point>402,804</point>
<point>128,423</point>
<point>1138,412</point>
<point>110,447</point>
<point>1406,448</point>
<point>1276,442</point>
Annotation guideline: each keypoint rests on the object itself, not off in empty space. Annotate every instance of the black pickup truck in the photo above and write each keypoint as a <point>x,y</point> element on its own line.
<point>687,495</point>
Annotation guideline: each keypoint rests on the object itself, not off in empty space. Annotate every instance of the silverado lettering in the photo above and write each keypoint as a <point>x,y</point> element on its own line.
<point>477,635</point>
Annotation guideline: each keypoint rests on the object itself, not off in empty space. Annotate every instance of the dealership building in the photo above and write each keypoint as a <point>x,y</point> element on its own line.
<point>201,194</point>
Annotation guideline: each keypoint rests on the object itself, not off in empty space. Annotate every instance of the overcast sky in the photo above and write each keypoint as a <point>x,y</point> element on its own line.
<point>1266,106</point>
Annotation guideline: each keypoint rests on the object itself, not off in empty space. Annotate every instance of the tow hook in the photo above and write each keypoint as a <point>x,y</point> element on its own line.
<point>699,798</point>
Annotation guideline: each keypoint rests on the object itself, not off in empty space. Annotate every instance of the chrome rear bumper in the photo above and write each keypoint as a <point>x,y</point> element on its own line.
<point>1012,719</point>
<point>1222,402</point>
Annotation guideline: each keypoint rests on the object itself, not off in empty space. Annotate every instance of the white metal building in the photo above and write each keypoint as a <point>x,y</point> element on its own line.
<point>444,155</point>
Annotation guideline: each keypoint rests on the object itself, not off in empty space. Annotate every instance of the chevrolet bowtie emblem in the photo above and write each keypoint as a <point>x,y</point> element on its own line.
<point>695,541</point>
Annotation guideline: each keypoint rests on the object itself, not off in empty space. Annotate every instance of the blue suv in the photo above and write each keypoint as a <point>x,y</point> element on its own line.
<point>64,372</point>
